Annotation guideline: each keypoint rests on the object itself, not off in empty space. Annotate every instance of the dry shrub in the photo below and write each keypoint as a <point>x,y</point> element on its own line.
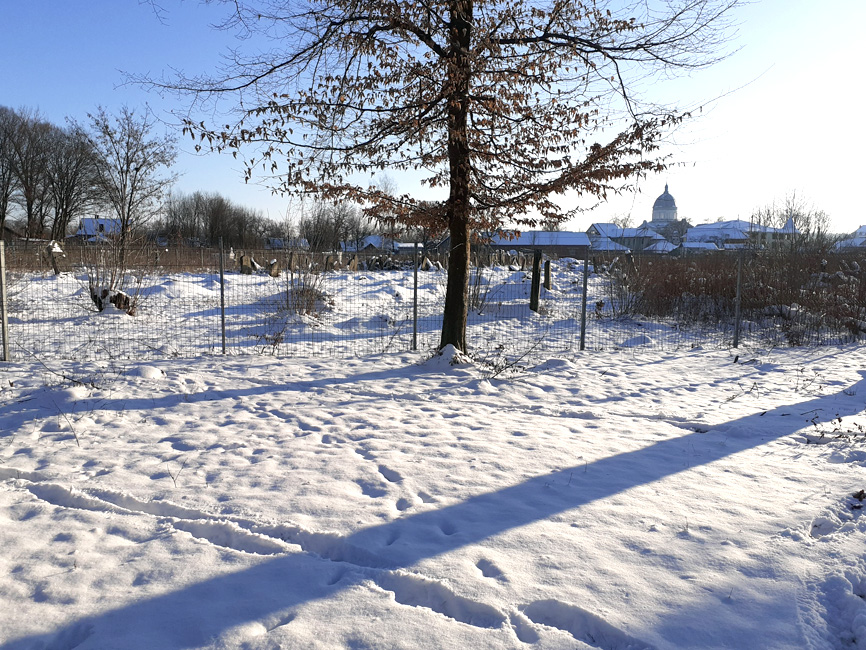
<point>805,295</point>
<point>689,289</point>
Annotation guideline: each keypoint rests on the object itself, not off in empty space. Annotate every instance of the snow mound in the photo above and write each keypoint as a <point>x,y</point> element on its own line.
<point>553,364</point>
<point>147,372</point>
<point>449,356</point>
<point>636,341</point>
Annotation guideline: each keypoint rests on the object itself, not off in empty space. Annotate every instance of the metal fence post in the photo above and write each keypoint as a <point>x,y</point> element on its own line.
<point>222,296</point>
<point>535,289</point>
<point>583,301</point>
<point>415,301</point>
<point>4,322</point>
<point>738,299</point>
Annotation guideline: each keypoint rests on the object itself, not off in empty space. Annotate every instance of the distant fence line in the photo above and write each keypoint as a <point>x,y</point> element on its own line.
<point>178,303</point>
<point>29,256</point>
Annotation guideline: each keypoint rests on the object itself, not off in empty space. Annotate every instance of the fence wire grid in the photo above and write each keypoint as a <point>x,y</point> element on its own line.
<point>178,305</point>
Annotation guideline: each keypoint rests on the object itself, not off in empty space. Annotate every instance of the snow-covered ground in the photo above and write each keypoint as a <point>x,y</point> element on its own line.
<point>607,500</point>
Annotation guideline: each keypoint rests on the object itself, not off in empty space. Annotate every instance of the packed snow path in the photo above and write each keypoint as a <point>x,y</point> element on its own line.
<point>608,501</point>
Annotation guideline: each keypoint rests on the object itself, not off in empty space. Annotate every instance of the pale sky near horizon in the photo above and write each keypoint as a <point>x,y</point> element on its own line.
<point>787,117</point>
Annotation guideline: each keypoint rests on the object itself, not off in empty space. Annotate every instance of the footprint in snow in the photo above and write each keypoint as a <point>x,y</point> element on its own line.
<point>389,474</point>
<point>490,570</point>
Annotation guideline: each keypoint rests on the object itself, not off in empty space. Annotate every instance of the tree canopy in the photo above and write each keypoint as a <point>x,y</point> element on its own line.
<point>507,104</point>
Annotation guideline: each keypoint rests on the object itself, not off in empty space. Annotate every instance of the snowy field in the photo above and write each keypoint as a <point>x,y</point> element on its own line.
<point>611,500</point>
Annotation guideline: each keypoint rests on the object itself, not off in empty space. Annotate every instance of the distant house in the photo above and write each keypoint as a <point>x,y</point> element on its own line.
<point>559,244</point>
<point>660,248</point>
<point>634,239</point>
<point>857,240</point>
<point>609,230</point>
<point>97,229</point>
<point>371,245</point>
<point>696,248</point>
<point>738,234</point>
<point>607,245</point>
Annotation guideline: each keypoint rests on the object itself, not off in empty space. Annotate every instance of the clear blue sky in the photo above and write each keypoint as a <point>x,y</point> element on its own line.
<point>788,117</point>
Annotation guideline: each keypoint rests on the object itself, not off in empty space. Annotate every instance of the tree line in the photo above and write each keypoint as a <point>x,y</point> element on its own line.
<point>119,167</point>
<point>51,176</point>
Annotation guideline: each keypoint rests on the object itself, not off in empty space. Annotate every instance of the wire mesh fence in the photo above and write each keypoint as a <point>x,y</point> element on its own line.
<point>178,303</point>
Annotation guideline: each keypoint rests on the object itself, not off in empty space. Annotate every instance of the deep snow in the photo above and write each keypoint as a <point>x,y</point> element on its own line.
<point>605,500</point>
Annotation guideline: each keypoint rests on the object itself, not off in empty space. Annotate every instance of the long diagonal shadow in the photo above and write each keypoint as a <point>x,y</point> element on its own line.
<point>194,615</point>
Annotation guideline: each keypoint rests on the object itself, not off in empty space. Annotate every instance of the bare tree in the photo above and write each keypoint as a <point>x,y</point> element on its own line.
<point>507,104</point>
<point>71,176</point>
<point>802,225</point>
<point>8,119</point>
<point>131,163</point>
<point>29,146</point>
<point>328,225</point>
<point>622,221</point>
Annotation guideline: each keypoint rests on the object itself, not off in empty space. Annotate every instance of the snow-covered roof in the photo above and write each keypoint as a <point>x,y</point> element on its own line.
<point>373,241</point>
<point>606,229</point>
<point>699,245</point>
<point>660,247</point>
<point>747,227</point>
<point>607,244</point>
<point>531,238</point>
<point>98,228</point>
<point>707,234</point>
<point>858,241</point>
<point>640,233</point>
<point>613,231</point>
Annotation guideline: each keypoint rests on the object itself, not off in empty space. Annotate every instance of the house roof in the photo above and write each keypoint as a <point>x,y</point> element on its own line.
<point>660,247</point>
<point>531,238</point>
<point>641,232</point>
<point>719,233</point>
<point>372,241</point>
<point>699,245</point>
<point>97,227</point>
<point>613,231</point>
<point>606,229</point>
<point>748,227</point>
<point>858,241</point>
<point>607,244</point>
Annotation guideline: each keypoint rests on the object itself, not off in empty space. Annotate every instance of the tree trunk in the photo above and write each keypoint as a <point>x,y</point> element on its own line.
<point>457,290</point>
<point>458,207</point>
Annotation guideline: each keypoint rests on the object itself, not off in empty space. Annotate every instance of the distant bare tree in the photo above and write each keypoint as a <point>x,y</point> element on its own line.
<point>132,164</point>
<point>29,145</point>
<point>807,227</point>
<point>622,221</point>
<point>7,177</point>
<point>71,176</point>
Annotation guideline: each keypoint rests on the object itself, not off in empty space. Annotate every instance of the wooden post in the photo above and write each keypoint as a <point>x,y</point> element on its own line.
<point>222,296</point>
<point>547,274</point>
<point>535,289</point>
<point>4,321</point>
<point>583,300</point>
<point>737,299</point>
<point>415,299</point>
